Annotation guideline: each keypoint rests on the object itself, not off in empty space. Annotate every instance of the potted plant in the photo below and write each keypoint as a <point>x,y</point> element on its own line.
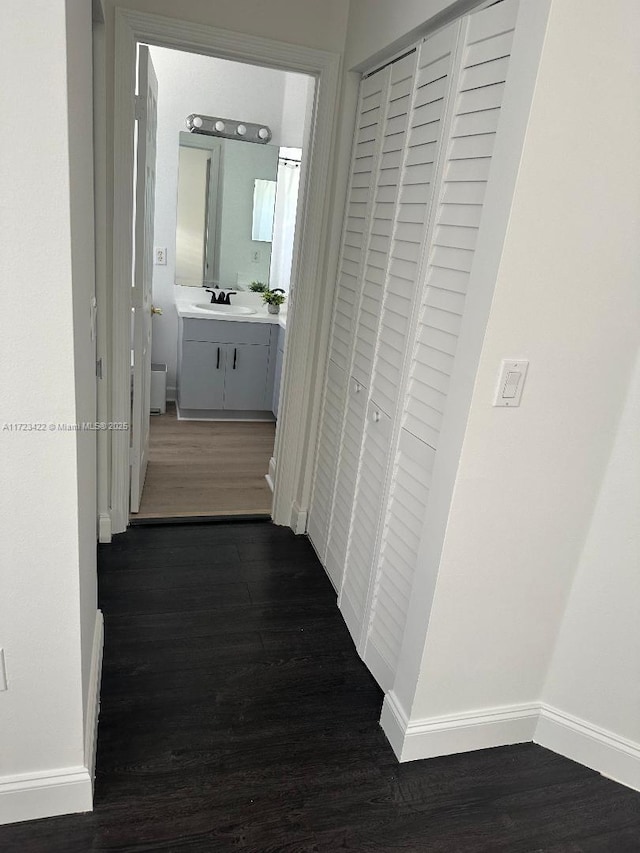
<point>273,300</point>
<point>257,287</point>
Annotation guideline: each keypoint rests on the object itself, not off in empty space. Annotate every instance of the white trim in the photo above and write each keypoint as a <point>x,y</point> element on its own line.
<point>104,528</point>
<point>103,320</point>
<point>29,796</point>
<point>616,757</point>
<point>306,342</point>
<point>93,697</point>
<point>120,355</point>
<point>595,747</point>
<point>298,521</point>
<point>394,723</point>
<point>428,738</point>
<point>270,477</point>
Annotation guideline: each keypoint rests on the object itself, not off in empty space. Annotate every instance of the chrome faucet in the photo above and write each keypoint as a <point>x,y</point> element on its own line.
<point>219,297</point>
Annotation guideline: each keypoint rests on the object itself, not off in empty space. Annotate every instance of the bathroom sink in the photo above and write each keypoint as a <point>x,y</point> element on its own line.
<point>228,310</point>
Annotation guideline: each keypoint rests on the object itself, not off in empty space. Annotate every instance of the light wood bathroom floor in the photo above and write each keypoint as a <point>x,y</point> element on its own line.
<point>206,468</point>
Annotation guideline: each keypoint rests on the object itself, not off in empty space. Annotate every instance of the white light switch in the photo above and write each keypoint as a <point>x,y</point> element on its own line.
<point>510,383</point>
<point>3,672</point>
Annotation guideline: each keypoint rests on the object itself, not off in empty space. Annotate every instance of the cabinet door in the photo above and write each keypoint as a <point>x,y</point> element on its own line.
<point>246,377</point>
<point>202,375</point>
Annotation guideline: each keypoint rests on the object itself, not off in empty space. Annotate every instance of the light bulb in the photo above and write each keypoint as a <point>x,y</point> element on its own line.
<point>219,126</point>
<point>241,130</point>
<point>196,121</point>
<point>263,133</point>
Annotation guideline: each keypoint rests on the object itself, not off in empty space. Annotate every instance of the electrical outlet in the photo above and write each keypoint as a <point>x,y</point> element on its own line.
<point>256,257</point>
<point>3,672</point>
<point>160,255</point>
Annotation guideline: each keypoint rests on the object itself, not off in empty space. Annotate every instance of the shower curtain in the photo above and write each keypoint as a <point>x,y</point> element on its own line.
<point>284,224</point>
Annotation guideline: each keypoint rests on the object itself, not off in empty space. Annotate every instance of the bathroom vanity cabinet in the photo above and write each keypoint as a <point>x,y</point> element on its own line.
<point>226,369</point>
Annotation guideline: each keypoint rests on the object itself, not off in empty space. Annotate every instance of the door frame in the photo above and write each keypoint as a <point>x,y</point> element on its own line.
<point>308,315</point>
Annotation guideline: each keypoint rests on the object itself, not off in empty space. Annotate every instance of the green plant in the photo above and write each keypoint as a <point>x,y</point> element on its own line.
<point>271,297</point>
<point>257,287</point>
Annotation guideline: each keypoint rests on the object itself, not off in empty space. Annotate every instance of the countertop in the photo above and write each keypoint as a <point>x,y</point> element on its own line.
<point>186,308</point>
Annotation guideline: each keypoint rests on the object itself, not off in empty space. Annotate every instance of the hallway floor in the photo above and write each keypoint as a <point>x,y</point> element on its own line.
<point>237,716</point>
<point>206,468</point>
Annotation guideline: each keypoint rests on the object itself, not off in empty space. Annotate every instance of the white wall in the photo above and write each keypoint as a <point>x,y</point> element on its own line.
<point>378,29</point>
<point>594,672</point>
<point>298,90</point>
<point>566,298</point>
<point>47,608</point>
<point>189,83</point>
<point>318,24</point>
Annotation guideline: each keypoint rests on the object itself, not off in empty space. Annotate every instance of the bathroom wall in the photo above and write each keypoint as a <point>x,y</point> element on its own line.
<point>190,83</point>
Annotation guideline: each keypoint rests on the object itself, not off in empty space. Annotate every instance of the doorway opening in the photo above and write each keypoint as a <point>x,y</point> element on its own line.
<point>229,149</point>
<point>313,268</point>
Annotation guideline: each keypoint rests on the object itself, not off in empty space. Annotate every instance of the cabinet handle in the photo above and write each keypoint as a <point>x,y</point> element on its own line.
<point>218,361</point>
<point>235,357</point>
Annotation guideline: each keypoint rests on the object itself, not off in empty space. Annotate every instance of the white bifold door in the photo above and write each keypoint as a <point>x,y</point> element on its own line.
<point>425,133</point>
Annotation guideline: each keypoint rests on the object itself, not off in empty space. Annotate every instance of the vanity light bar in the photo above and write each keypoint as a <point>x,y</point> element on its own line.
<point>229,129</point>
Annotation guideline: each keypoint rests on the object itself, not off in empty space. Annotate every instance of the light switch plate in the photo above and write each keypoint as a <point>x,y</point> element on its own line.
<point>511,382</point>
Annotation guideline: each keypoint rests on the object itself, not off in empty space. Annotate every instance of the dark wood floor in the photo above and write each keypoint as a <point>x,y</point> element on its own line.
<point>236,716</point>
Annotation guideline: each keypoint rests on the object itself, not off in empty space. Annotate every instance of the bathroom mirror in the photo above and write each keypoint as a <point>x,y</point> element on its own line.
<point>226,199</point>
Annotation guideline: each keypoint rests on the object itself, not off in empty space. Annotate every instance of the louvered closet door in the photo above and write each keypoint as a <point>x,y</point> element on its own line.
<point>348,290</point>
<point>355,410</point>
<point>410,150</point>
<point>457,218</point>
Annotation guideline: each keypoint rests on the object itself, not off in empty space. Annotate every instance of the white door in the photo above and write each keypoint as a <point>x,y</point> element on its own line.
<point>146,112</point>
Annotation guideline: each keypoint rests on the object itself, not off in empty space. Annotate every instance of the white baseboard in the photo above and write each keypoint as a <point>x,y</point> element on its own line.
<point>595,747</point>
<point>93,697</point>
<point>298,519</point>
<point>104,528</point>
<point>611,755</point>
<point>67,790</point>
<point>428,738</point>
<point>394,723</point>
<point>270,477</point>
<point>52,792</point>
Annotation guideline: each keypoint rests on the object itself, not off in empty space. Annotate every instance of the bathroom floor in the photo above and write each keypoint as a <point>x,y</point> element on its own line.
<point>199,468</point>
